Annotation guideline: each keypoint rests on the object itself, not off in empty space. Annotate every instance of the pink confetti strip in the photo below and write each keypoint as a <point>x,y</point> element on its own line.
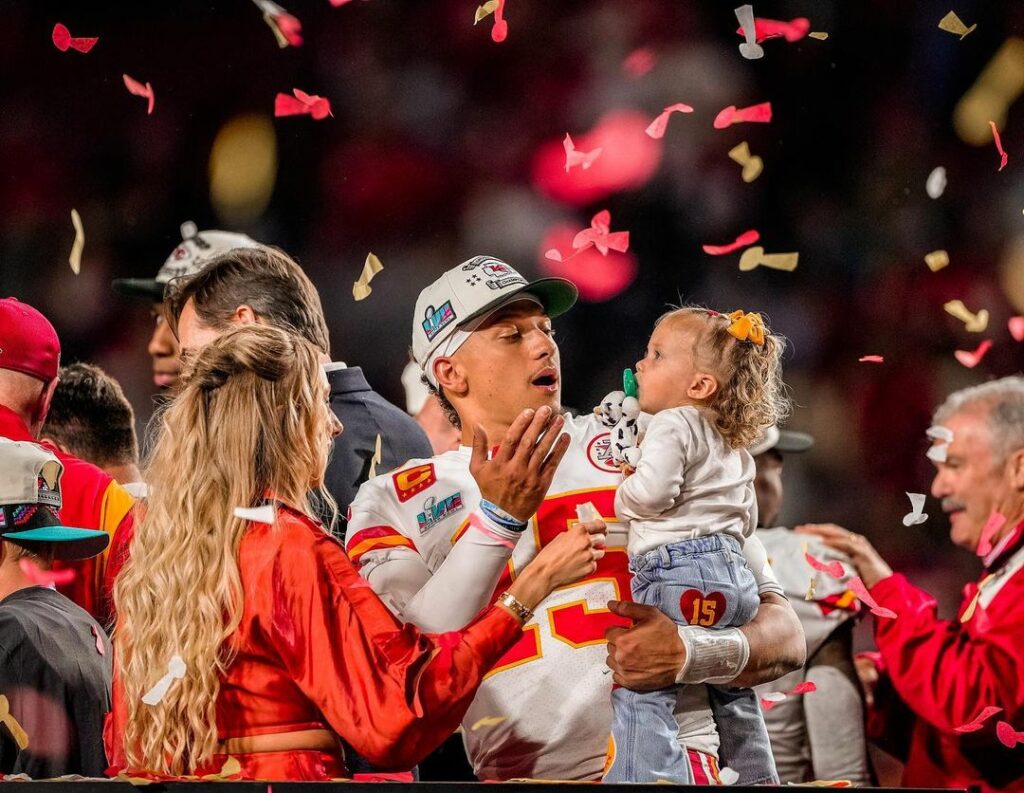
<point>771,699</point>
<point>500,30</point>
<point>600,235</point>
<point>833,568</point>
<point>41,577</point>
<point>857,587</point>
<point>791,31</point>
<point>1016,326</point>
<point>63,40</point>
<point>978,721</point>
<point>574,157</point>
<point>971,359</point>
<point>138,89</point>
<point>1008,736</point>
<point>99,640</point>
<point>995,522</point>
<point>760,114</point>
<point>742,241</point>
<point>290,27</point>
<point>302,104</point>
<point>871,359</point>
<point>656,129</point>
<point>1003,156</point>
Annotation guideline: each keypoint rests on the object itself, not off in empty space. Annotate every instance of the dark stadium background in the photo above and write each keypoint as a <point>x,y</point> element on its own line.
<point>429,159</point>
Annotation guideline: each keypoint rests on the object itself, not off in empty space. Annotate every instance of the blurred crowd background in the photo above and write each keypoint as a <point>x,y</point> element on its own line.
<point>444,144</point>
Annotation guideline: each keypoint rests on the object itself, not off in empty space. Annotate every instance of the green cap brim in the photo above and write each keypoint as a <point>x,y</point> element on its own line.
<point>66,543</point>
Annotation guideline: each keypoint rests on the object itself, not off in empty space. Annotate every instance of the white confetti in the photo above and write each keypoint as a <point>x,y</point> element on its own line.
<point>377,457</point>
<point>175,671</point>
<point>915,516</point>
<point>774,696</point>
<point>940,432</point>
<point>938,452</point>
<point>264,514</point>
<point>587,512</point>
<point>749,49</point>
<point>137,490</point>
<point>936,183</point>
<point>728,776</point>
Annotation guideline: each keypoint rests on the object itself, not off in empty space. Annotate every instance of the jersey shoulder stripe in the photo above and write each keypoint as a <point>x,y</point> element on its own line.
<point>375,538</point>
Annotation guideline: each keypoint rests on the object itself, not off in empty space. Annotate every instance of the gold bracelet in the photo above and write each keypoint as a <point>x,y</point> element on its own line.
<point>509,601</point>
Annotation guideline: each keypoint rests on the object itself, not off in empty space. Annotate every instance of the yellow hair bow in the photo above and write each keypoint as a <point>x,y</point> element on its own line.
<point>747,327</point>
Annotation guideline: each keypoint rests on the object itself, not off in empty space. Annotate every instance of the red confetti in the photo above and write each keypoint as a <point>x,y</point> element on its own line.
<point>861,591</point>
<point>99,640</point>
<point>972,359</point>
<point>600,235</point>
<point>138,89</point>
<point>302,104</point>
<point>41,577</point>
<point>807,687</point>
<point>1003,156</point>
<point>978,721</point>
<point>62,40</point>
<point>574,157</point>
<point>995,522</point>
<point>500,30</point>
<point>871,359</point>
<point>742,241</point>
<point>760,114</point>
<point>765,29</point>
<point>1008,736</point>
<point>1016,325</point>
<point>833,568</point>
<point>599,277</point>
<point>338,4</point>
<point>639,62</point>
<point>290,27</point>
<point>772,699</point>
<point>656,129</point>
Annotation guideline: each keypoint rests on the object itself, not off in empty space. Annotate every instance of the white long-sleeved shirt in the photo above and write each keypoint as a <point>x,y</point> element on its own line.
<point>689,483</point>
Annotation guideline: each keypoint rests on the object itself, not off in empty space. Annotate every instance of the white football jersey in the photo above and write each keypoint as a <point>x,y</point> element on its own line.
<point>822,603</point>
<point>418,537</point>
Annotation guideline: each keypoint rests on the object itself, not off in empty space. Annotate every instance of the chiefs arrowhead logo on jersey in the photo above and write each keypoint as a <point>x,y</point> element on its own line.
<point>413,480</point>
<point>599,452</point>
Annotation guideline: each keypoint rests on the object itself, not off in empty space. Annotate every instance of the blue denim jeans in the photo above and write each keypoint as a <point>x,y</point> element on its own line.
<point>703,581</point>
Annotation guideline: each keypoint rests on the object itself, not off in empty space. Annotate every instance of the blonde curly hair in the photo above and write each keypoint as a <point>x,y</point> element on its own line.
<point>250,420</point>
<point>751,395</point>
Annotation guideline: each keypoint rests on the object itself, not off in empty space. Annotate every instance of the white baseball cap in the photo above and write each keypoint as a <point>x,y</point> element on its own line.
<point>473,289</point>
<point>195,250</point>
<point>782,441</point>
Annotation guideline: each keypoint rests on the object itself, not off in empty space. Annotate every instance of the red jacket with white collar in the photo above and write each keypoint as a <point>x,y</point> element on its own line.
<point>944,672</point>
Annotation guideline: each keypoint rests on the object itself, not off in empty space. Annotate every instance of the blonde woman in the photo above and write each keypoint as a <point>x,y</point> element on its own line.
<point>284,647</point>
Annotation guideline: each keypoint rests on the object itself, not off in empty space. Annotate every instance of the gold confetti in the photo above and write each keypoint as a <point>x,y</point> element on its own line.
<point>936,260</point>
<point>488,721</point>
<point>485,10</point>
<point>811,589</point>
<point>973,323</point>
<point>752,164</point>
<point>951,23</point>
<point>755,257</point>
<point>361,288</point>
<point>8,720</point>
<point>818,35</point>
<point>375,460</point>
<point>973,605</point>
<point>75,259</point>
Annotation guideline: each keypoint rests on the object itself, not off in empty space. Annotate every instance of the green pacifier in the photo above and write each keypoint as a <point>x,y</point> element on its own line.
<point>629,383</point>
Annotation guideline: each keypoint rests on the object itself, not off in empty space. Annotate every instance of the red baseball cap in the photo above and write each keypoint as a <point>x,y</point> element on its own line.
<point>28,342</point>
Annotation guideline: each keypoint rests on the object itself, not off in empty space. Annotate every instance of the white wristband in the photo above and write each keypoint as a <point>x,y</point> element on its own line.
<point>712,656</point>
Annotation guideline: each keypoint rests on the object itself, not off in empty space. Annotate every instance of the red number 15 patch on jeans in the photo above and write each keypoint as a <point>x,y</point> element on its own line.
<point>700,609</point>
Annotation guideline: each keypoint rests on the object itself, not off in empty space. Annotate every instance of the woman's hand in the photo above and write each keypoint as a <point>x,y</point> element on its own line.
<point>569,557</point>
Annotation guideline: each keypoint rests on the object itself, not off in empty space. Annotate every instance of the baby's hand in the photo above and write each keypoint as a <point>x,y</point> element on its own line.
<point>627,470</point>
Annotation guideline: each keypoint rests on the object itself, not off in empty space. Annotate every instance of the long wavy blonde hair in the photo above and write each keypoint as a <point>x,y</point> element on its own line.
<point>251,418</point>
<point>751,395</point>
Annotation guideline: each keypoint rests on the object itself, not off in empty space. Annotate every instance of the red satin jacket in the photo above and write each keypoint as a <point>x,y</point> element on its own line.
<point>937,675</point>
<point>316,648</point>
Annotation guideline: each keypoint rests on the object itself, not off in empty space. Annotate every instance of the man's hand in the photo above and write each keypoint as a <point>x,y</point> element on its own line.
<point>520,473</point>
<point>871,567</point>
<point>648,655</point>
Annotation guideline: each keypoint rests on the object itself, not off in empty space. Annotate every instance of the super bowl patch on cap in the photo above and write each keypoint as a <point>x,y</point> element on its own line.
<point>437,319</point>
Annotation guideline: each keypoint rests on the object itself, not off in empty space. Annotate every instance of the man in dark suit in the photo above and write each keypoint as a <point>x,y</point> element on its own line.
<point>264,285</point>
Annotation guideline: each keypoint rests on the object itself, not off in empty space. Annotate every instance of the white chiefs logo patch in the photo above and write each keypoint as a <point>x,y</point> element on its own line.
<point>599,452</point>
